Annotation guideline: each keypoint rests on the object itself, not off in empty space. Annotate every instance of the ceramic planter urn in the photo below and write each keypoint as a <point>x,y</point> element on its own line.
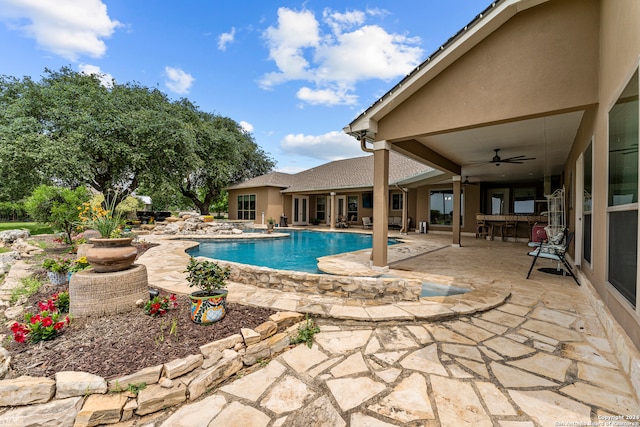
<point>206,308</point>
<point>108,255</point>
<point>57,278</point>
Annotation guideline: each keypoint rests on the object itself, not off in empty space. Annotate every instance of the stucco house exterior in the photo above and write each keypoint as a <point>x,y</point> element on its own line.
<point>342,188</point>
<point>555,81</point>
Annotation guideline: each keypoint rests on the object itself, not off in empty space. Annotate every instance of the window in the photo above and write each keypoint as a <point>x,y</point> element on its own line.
<point>524,200</point>
<point>396,201</point>
<point>441,207</point>
<point>247,206</point>
<point>321,208</point>
<point>367,200</point>
<point>352,208</point>
<point>623,192</point>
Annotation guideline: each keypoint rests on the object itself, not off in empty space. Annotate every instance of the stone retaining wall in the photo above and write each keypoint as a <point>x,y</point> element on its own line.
<point>376,290</point>
<point>81,399</point>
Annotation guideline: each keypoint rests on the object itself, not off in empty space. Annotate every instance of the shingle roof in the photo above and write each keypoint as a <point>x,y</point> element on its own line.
<point>349,173</point>
<point>273,179</point>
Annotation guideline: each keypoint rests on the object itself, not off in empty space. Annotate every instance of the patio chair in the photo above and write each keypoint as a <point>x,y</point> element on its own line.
<point>554,252</point>
<point>482,228</point>
<point>366,222</point>
<point>342,222</point>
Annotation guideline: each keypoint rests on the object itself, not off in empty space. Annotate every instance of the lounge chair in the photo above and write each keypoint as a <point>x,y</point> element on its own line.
<point>366,222</point>
<point>342,222</point>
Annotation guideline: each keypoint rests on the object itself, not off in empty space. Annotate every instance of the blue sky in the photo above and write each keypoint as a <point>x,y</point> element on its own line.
<point>292,73</point>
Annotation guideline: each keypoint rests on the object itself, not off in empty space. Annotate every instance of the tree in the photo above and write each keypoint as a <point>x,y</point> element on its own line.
<point>57,206</point>
<point>71,130</point>
<point>224,154</point>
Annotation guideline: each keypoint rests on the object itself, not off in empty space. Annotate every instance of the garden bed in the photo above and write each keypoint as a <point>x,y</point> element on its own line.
<point>121,344</point>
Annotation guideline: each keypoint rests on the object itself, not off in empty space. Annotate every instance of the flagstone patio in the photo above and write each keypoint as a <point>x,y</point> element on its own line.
<point>539,352</point>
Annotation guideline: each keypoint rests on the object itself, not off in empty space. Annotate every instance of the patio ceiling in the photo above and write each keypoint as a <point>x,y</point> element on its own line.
<point>548,139</point>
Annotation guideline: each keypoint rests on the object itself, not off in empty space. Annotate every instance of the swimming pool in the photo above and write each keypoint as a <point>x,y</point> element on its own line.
<point>298,252</point>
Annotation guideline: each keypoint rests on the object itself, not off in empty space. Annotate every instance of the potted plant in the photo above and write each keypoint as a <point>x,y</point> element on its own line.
<point>110,252</point>
<point>78,265</point>
<point>270,224</point>
<point>209,304</point>
<point>315,221</point>
<point>57,269</point>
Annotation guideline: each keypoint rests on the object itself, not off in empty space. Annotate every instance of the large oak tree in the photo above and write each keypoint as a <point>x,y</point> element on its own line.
<point>73,130</point>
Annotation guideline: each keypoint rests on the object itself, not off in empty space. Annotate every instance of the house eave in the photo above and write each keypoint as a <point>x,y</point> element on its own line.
<point>472,34</point>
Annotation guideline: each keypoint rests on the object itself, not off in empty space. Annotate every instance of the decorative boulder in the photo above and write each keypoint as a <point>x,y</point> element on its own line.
<point>10,236</point>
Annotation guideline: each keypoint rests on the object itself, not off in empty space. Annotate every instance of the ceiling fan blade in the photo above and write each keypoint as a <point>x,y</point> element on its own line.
<point>512,161</point>
<point>518,159</point>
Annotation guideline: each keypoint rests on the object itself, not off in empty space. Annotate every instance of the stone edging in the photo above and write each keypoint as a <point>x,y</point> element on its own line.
<point>82,399</point>
<point>382,290</point>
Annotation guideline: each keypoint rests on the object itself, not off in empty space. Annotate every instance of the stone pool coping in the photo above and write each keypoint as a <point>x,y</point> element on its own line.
<point>166,263</point>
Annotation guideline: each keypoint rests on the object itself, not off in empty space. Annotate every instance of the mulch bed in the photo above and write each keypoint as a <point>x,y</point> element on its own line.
<point>116,345</point>
<point>121,344</point>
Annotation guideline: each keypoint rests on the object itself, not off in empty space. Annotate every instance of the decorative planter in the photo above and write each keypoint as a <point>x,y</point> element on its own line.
<point>107,255</point>
<point>57,278</point>
<point>270,228</point>
<point>207,308</point>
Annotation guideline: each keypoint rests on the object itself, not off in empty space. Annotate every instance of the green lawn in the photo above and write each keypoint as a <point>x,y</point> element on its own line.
<point>33,227</point>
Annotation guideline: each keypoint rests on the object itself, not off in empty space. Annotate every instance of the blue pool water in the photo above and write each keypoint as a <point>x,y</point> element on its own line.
<point>297,252</point>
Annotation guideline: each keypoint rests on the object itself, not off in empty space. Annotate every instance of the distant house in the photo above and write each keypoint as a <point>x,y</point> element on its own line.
<point>343,188</point>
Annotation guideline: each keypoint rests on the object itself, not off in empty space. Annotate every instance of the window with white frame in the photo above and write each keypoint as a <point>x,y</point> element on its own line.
<point>352,208</point>
<point>247,206</point>
<point>623,192</point>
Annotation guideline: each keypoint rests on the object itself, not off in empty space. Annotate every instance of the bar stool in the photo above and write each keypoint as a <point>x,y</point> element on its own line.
<point>510,224</point>
<point>482,229</point>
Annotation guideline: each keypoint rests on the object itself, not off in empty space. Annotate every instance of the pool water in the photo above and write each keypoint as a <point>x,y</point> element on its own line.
<point>298,252</point>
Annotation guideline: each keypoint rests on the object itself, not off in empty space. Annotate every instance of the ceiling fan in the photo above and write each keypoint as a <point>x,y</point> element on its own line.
<point>496,160</point>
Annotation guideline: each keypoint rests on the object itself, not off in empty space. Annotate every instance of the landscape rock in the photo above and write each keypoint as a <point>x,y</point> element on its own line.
<point>165,382</point>
<point>7,259</point>
<point>256,352</point>
<point>14,313</point>
<point>5,361</point>
<point>227,366</point>
<point>284,319</point>
<point>129,408</point>
<point>267,329</point>
<point>179,367</point>
<point>10,236</point>
<point>155,397</point>
<point>26,390</point>
<point>72,383</point>
<point>148,376</point>
<point>101,409</point>
<point>250,336</point>
<point>25,249</point>
<point>57,413</point>
<point>225,343</point>
<point>279,342</point>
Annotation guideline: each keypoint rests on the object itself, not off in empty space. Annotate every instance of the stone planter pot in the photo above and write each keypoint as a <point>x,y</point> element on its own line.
<point>57,278</point>
<point>206,308</point>
<point>107,255</point>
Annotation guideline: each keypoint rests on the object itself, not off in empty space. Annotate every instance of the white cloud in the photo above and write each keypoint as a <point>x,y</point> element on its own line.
<point>326,96</point>
<point>328,147</point>
<point>68,28</point>
<point>226,38</point>
<point>335,60</point>
<point>246,126</point>
<point>178,81</point>
<point>105,79</point>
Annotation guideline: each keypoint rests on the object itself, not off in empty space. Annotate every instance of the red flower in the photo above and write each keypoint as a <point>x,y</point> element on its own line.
<point>19,336</point>
<point>66,319</point>
<point>173,297</point>
<point>58,325</point>
<point>43,306</point>
<point>46,322</point>
<point>35,319</point>
<point>16,327</point>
